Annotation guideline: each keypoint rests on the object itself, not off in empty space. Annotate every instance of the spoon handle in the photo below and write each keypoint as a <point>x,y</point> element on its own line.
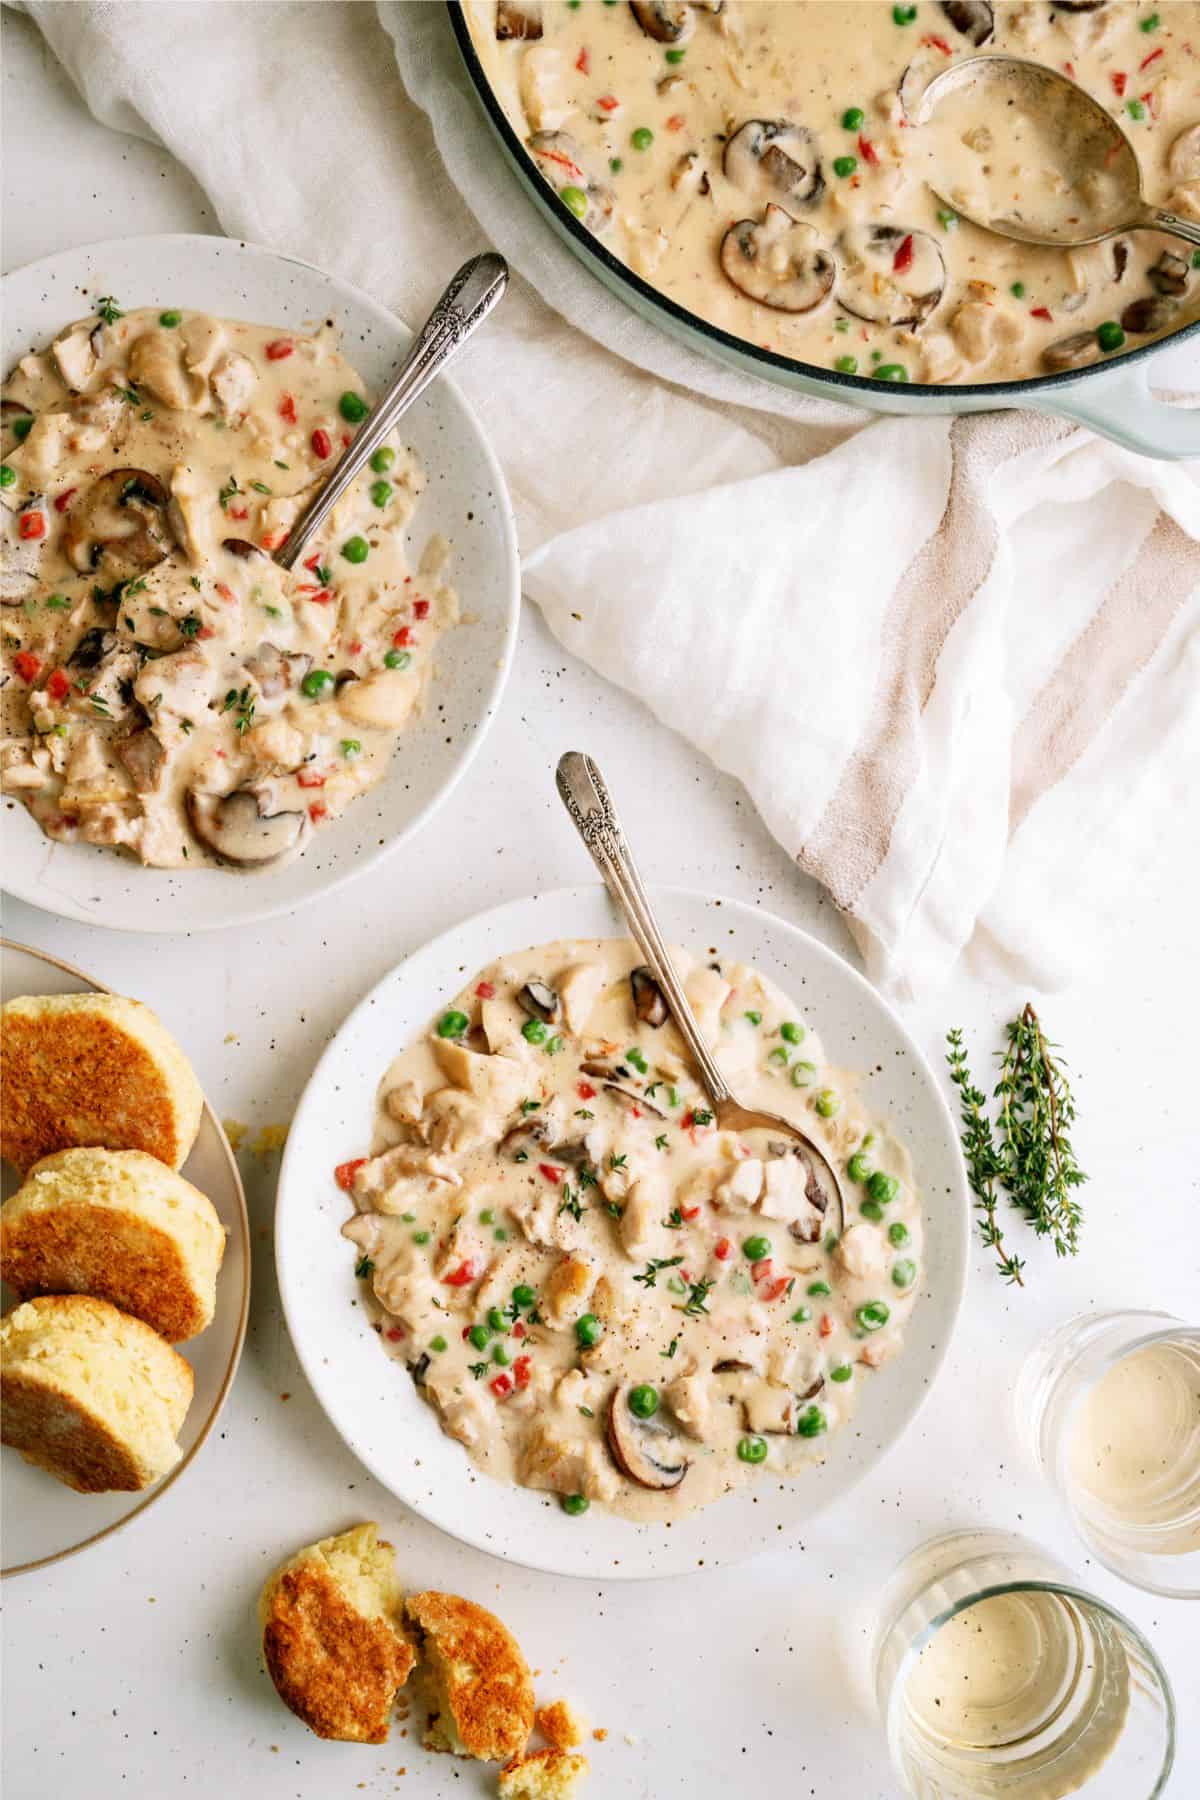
<point>1158,219</point>
<point>583,792</point>
<point>464,306</point>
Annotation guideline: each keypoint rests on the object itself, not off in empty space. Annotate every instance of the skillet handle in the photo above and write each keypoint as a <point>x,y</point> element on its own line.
<point>1124,410</point>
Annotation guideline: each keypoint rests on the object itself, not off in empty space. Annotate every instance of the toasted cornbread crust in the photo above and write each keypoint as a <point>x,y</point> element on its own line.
<point>118,1225</point>
<point>543,1775</point>
<point>560,1725</point>
<point>91,1396</point>
<point>335,1667</point>
<point>480,1675</point>
<point>94,1069</point>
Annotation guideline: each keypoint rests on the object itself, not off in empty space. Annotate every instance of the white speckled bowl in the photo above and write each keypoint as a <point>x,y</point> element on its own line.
<point>466,499</point>
<point>371,1399</point>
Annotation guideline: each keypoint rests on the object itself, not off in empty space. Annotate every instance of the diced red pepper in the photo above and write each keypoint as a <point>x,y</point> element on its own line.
<point>722,1249</point>
<point>32,524</point>
<point>582,61</point>
<point>206,631</point>
<point>227,594</point>
<point>1040,312</point>
<point>1069,69</point>
<point>465,1273</point>
<point>58,686</point>
<point>676,122</point>
<point>404,637</point>
<point>321,596</point>
<point>501,1386</point>
<point>239,512</point>
<point>825,1328</point>
<point>904,256</point>
<point>608,102</point>
<point>420,609</point>
<point>688,1120</point>
<point>345,1172</point>
<point>63,500</point>
<point>1119,79</point>
<point>308,778</point>
<point>287,409</point>
<point>322,443</point>
<point>271,540</point>
<point>522,1369</point>
<point>27,665</point>
<point>313,562</point>
<point>485,991</point>
<point>760,1270</point>
<point>354,649</point>
<point>1150,99</point>
<point>553,1175</point>
<point>1153,57</point>
<point>867,150</point>
<point>394,1333</point>
<point>937,43</point>
<point>318,812</point>
<point>345,440</point>
<point>518,1331</point>
<point>585,1090</point>
<point>689,1213</point>
<point>774,1290</point>
<point>278,348</point>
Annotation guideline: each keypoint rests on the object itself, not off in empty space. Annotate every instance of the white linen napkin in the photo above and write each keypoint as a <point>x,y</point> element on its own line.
<point>955,663</point>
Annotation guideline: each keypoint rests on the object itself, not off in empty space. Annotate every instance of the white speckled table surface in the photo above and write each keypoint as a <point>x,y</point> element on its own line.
<point>134,1667</point>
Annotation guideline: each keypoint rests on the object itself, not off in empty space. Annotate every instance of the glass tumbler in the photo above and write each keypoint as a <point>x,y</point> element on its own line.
<point>1109,1406</point>
<point>997,1676</point>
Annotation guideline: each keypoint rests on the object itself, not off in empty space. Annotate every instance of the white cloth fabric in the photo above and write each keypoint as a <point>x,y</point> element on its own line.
<point>954,662</point>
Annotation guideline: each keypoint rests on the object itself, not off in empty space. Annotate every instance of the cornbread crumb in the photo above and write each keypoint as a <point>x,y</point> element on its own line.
<point>600,1733</point>
<point>560,1725</point>
<point>543,1775</point>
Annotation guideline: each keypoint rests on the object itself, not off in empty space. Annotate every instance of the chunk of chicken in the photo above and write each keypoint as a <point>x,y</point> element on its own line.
<point>742,1186</point>
<point>640,1226</point>
<point>75,354</point>
<point>690,1398</point>
<point>157,369</point>
<point>566,1288</point>
<point>578,990</point>
<point>464,1245</point>
<point>501,1019</point>
<point>275,744</point>
<point>233,381</point>
<point>550,1460</point>
<point>980,329</point>
<point>496,1081</point>
<point>707,990</point>
<point>541,86</point>
<point>784,1196</point>
<point>180,684</point>
<point>860,1252</point>
<point>768,1408</point>
<point>458,1122</point>
<point>405,1102</point>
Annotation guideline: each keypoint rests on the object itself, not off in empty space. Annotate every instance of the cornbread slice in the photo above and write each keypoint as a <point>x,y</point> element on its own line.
<point>90,1395</point>
<point>543,1775</point>
<point>476,1680</point>
<point>122,1226</point>
<point>93,1069</point>
<point>333,1638</point>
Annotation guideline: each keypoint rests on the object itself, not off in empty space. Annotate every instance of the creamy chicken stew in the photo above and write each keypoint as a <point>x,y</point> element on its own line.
<point>167,687</point>
<point>602,1294</point>
<point>761,165</point>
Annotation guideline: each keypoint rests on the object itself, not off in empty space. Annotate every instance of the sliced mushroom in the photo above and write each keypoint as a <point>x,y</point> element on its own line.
<point>666,21</point>
<point>92,649</point>
<point>689,176</point>
<point>779,262</point>
<point>1078,6</point>
<point>646,1450</point>
<point>20,557</point>
<point>648,1001</point>
<point>242,548</point>
<point>632,1100</point>
<point>1074,352</point>
<point>560,160</point>
<point>237,830</point>
<point>732,1365</point>
<point>816,1192</point>
<point>975,19</point>
<point>604,1071</point>
<point>1153,312</point>
<point>420,1368</point>
<point>518,19</point>
<point>890,275</point>
<point>766,157</point>
<point>145,757</point>
<point>120,525</point>
<point>540,1001</point>
<point>277,670</point>
<point>1170,274</point>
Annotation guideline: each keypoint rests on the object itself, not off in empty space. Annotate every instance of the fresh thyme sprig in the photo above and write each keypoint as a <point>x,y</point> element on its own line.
<point>1030,1157</point>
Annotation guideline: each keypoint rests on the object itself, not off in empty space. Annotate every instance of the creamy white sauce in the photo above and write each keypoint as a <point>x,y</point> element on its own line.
<point>149,670</point>
<point>1134,1456</point>
<point>578,1160</point>
<point>888,277</point>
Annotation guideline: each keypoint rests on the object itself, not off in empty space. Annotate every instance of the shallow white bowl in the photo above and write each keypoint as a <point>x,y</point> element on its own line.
<point>371,1399</point>
<point>466,499</point>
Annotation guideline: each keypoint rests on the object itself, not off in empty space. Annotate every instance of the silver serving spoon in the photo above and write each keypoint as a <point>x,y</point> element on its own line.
<point>1091,143</point>
<point>583,793</point>
<point>463,307</point>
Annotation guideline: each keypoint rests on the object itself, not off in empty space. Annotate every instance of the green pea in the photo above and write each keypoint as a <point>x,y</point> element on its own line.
<point>871,1209</point>
<point>1109,335</point>
<point>643,1401</point>
<point>420,1237</point>
<point>1196,259</point>
<point>778,1056</point>
<point>898,1234</point>
<point>904,1273</point>
<point>554,1045</point>
<point>496,1319</point>
<point>381,492</point>
<point>615,164</point>
<point>21,429</point>
<point>1017,290</point>
<point>859,1166</point>
<point>904,15</point>
<point>638,1061</point>
<point>891,372</point>
<point>642,138</point>
<point>170,319</point>
<point>452,1024</point>
<point>575,200</point>
<point>500,1235</point>
<point>356,549</point>
<point>755,1018</point>
<point>1151,23</point>
<point>397,659</point>
<point>316,684</point>
<point>842,325</point>
<point>818,1289</point>
<point>350,748</point>
<point>353,408</point>
<point>480,1336</point>
<point>844,165</point>
<point>802,1315</point>
<point>803,1073</point>
<point>533,1031</point>
<point>675,56</point>
<point>501,1355</point>
<point>883,1188</point>
<point>524,1297</point>
<point>843,1372</point>
<point>946,219</point>
<point>487,1216</point>
<point>752,1450</point>
<point>846,365</point>
<point>574,1504</point>
<point>383,459</point>
<point>438,1343</point>
<point>828,1103</point>
<point>8,475</point>
<point>408,1218</point>
<point>853,118</point>
<point>756,1248</point>
<point>58,603</point>
<point>874,1315</point>
<point>1136,110</point>
<point>790,1032</point>
<point>811,1423</point>
<point>589,1330</point>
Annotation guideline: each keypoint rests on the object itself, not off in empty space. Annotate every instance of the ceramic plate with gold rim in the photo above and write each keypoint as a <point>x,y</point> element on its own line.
<point>43,1521</point>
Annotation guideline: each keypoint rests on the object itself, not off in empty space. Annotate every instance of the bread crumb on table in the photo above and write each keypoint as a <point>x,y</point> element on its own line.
<point>560,1725</point>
